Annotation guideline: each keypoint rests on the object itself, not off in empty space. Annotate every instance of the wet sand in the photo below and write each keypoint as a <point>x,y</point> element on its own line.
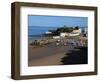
<point>47,55</point>
<point>48,60</point>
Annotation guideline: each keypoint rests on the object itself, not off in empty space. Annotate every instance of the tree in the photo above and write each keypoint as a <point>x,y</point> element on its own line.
<point>65,29</point>
<point>55,33</point>
<point>77,27</point>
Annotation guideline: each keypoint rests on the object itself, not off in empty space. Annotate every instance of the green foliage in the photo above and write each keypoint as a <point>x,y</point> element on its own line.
<point>63,29</point>
<point>77,27</point>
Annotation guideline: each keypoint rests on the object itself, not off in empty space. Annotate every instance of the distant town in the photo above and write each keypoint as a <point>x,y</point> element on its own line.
<point>61,34</point>
<point>67,31</point>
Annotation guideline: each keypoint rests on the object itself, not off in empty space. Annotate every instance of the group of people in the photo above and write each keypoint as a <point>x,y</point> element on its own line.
<point>61,42</point>
<point>73,42</point>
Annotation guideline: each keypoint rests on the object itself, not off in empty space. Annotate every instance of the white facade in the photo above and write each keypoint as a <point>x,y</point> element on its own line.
<point>56,37</point>
<point>86,30</point>
<point>77,31</point>
<point>63,34</point>
<point>48,32</point>
<point>73,34</point>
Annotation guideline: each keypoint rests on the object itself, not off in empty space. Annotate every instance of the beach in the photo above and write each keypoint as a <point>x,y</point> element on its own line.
<point>51,41</point>
<point>52,53</point>
<point>47,55</point>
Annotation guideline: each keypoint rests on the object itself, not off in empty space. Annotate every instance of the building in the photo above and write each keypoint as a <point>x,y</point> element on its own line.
<point>86,31</point>
<point>48,32</point>
<point>78,31</point>
<point>75,32</point>
<point>63,34</point>
<point>56,37</point>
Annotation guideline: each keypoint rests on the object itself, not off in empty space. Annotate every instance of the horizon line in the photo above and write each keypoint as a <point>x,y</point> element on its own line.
<point>60,26</point>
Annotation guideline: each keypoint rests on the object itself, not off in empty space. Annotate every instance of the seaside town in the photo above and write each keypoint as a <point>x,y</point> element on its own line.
<point>64,45</point>
<point>63,36</point>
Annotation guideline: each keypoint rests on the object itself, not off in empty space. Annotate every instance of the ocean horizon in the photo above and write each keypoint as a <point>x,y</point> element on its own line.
<point>38,30</point>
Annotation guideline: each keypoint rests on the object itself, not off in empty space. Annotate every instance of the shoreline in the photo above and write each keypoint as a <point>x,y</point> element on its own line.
<point>49,55</point>
<point>48,60</point>
<point>52,53</point>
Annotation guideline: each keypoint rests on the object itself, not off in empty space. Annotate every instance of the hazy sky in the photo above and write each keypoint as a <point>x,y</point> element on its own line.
<point>35,20</point>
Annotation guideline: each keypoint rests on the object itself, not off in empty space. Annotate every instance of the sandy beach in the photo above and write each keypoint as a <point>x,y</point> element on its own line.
<point>47,55</point>
<point>48,60</point>
<point>52,54</point>
<point>50,41</point>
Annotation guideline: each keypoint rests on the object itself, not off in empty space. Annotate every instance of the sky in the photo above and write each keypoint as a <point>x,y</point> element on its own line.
<point>36,20</point>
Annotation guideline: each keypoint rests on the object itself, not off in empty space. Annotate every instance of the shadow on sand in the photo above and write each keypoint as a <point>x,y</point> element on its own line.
<point>79,56</point>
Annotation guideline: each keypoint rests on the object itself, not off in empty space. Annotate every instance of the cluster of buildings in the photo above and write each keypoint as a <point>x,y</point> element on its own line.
<point>75,32</point>
<point>62,34</point>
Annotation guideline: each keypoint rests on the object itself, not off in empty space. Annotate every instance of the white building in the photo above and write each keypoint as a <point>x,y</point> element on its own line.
<point>77,31</point>
<point>48,32</point>
<point>63,34</point>
<point>74,33</point>
<point>85,30</point>
<point>56,37</point>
